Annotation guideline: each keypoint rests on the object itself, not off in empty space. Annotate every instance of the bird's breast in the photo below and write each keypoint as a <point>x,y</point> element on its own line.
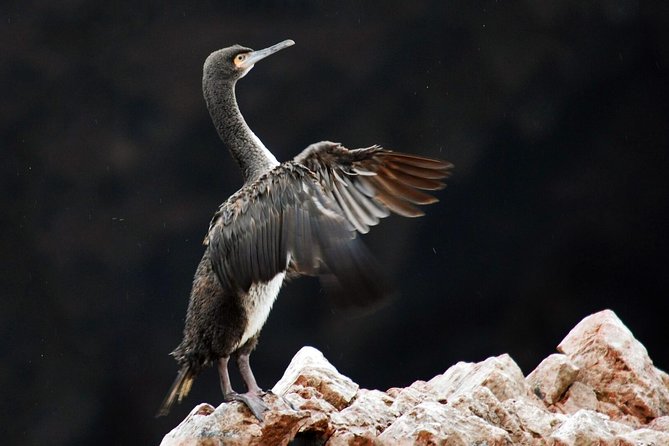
<point>258,303</point>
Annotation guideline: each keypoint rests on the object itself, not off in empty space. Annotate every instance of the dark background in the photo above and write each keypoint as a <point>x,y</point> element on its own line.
<point>555,114</point>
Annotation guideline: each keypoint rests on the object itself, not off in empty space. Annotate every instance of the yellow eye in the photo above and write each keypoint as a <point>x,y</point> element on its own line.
<point>240,58</point>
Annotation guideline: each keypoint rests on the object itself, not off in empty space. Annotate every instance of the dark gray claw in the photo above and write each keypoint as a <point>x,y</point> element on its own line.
<point>252,400</point>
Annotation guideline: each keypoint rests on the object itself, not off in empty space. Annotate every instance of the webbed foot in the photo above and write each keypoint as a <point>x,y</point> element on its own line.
<point>252,400</point>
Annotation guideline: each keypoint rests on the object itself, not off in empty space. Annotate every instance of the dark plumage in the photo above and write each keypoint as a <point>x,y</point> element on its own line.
<point>300,216</point>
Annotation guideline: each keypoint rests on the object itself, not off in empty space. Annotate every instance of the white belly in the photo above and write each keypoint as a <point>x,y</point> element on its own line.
<point>259,301</point>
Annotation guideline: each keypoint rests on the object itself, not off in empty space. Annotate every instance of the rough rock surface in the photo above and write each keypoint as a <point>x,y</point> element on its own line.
<point>602,389</point>
<point>617,367</point>
<point>552,377</point>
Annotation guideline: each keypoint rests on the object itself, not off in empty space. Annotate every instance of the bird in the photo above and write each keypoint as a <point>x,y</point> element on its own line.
<point>296,218</point>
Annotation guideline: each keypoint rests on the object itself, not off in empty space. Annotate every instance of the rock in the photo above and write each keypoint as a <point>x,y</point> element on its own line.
<point>501,375</point>
<point>411,396</point>
<point>369,415</point>
<point>189,430</point>
<point>432,423</point>
<point>552,377</point>
<point>664,377</point>
<point>586,427</point>
<point>643,437</point>
<point>310,400</point>
<point>602,390</point>
<point>233,424</point>
<point>660,424</point>
<point>482,403</point>
<point>579,396</point>
<point>617,367</point>
<point>536,421</point>
<point>310,369</point>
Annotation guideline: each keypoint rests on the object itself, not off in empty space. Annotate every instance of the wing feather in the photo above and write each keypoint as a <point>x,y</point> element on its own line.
<point>353,197</point>
<point>419,161</point>
<point>369,183</point>
<point>421,172</point>
<point>390,184</point>
<point>373,210</point>
<point>285,216</point>
<point>350,208</point>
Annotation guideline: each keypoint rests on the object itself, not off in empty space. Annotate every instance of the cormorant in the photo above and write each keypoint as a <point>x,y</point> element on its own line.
<point>294,218</point>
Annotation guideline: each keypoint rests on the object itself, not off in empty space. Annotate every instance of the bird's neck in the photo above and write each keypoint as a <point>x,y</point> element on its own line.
<point>251,155</point>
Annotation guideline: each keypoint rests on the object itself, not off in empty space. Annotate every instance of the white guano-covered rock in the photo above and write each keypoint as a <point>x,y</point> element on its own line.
<point>534,419</point>
<point>500,374</point>
<point>552,377</point>
<point>309,368</point>
<point>432,423</point>
<point>369,415</point>
<point>617,367</point>
<point>586,427</point>
<point>604,390</point>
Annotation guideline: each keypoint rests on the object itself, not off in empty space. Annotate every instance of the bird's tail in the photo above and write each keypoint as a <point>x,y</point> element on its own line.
<point>179,389</point>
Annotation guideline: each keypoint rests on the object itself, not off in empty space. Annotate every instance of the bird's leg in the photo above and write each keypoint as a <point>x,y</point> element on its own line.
<point>250,380</point>
<point>253,397</point>
<point>247,374</point>
<point>224,377</point>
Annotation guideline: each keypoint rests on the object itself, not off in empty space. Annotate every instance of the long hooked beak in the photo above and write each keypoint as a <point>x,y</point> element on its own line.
<point>255,56</point>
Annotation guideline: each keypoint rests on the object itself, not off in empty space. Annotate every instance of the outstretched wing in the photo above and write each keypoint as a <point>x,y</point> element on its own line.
<point>369,183</point>
<point>283,217</point>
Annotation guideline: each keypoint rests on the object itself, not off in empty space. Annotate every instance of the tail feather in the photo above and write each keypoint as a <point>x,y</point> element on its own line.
<point>178,391</point>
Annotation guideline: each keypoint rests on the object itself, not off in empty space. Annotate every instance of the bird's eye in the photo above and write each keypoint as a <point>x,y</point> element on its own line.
<point>240,58</point>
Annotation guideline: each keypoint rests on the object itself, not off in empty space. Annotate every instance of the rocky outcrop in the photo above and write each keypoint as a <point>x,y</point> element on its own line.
<point>602,388</point>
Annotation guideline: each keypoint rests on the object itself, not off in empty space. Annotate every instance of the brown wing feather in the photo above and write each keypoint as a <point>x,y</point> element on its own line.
<point>389,181</point>
<point>368,183</point>
<point>420,161</point>
<point>421,172</point>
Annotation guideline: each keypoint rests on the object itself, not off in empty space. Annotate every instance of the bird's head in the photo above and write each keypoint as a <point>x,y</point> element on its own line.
<point>235,61</point>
